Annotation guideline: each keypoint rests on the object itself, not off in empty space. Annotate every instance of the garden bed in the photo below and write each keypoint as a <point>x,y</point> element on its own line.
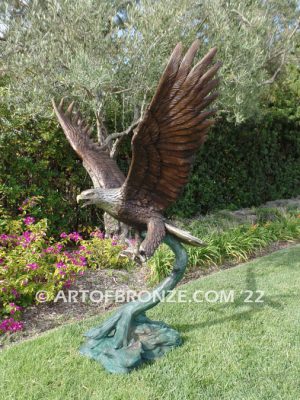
<point>231,238</point>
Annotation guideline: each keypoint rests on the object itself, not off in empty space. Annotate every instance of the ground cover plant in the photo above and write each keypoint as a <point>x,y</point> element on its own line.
<point>232,350</point>
<point>32,262</point>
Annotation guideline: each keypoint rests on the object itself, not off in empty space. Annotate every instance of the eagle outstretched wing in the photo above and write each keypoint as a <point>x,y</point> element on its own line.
<point>173,128</point>
<point>102,169</point>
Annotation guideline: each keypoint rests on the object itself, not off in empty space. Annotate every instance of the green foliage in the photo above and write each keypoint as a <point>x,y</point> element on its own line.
<point>110,54</point>
<point>36,160</point>
<point>250,163</point>
<point>105,253</point>
<point>235,243</point>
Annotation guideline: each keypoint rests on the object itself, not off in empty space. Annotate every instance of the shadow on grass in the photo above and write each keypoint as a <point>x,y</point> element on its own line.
<point>253,306</point>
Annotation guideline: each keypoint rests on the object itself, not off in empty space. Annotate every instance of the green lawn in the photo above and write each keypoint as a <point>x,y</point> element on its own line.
<point>232,351</point>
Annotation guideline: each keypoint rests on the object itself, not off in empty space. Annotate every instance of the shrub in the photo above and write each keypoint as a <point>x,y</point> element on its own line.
<point>105,252</point>
<point>32,262</point>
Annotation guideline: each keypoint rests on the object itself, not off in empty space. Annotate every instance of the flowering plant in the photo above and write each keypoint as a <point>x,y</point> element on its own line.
<point>31,262</point>
<point>104,252</point>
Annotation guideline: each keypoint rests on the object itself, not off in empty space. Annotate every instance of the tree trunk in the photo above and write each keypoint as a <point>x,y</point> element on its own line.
<point>114,227</point>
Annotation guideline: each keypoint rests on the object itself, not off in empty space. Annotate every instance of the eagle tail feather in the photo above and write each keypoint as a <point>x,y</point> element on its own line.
<point>184,236</point>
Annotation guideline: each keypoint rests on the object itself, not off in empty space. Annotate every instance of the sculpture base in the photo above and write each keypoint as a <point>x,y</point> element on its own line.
<point>149,340</point>
<point>128,338</point>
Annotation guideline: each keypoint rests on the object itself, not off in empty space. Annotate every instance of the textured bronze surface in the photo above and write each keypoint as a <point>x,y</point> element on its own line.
<point>164,145</point>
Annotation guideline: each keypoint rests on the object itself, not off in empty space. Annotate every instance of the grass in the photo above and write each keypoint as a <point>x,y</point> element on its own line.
<point>235,350</point>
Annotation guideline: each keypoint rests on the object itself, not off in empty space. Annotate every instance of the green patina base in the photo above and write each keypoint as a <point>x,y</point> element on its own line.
<point>150,340</point>
<point>129,338</point>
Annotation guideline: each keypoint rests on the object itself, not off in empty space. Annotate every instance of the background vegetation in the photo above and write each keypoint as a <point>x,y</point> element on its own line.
<point>109,57</point>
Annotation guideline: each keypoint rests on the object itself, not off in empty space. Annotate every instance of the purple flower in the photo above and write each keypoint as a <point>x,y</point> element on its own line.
<point>14,308</point>
<point>15,293</point>
<point>60,264</point>
<point>33,266</point>
<point>59,247</point>
<point>114,243</point>
<point>10,325</point>
<point>63,235</point>
<point>98,234</point>
<point>75,236</point>
<point>67,283</point>
<point>29,220</point>
<point>26,238</point>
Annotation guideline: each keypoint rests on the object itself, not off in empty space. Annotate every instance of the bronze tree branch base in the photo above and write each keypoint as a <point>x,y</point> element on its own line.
<point>128,338</point>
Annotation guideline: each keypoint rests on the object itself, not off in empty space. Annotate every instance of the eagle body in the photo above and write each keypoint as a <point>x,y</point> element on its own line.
<point>133,213</point>
<point>164,145</point>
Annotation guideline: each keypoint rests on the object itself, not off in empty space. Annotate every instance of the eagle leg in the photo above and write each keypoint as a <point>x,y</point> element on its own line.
<point>155,233</point>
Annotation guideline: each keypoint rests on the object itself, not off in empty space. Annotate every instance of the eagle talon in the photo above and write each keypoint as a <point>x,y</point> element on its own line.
<point>134,255</point>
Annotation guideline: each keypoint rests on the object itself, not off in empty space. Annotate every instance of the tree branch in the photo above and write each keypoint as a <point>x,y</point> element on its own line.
<point>116,135</point>
<point>272,79</point>
<point>284,53</point>
<point>101,128</point>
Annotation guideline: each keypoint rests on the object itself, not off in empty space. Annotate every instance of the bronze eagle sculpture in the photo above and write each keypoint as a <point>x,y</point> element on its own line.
<point>164,144</point>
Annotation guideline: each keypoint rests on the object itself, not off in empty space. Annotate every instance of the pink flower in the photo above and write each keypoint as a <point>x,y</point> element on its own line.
<point>26,238</point>
<point>63,235</point>
<point>75,236</point>
<point>10,325</point>
<point>60,265</point>
<point>29,220</point>
<point>14,308</point>
<point>98,234</point>
<point>32,266</point>
<point>59,247</point>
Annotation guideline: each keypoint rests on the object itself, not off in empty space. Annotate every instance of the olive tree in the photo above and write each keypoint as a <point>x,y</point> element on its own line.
<point>109,54</point>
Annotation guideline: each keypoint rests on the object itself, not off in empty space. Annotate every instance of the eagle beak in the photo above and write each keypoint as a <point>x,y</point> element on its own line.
<point>78,198</point>
<point>88,196</point>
